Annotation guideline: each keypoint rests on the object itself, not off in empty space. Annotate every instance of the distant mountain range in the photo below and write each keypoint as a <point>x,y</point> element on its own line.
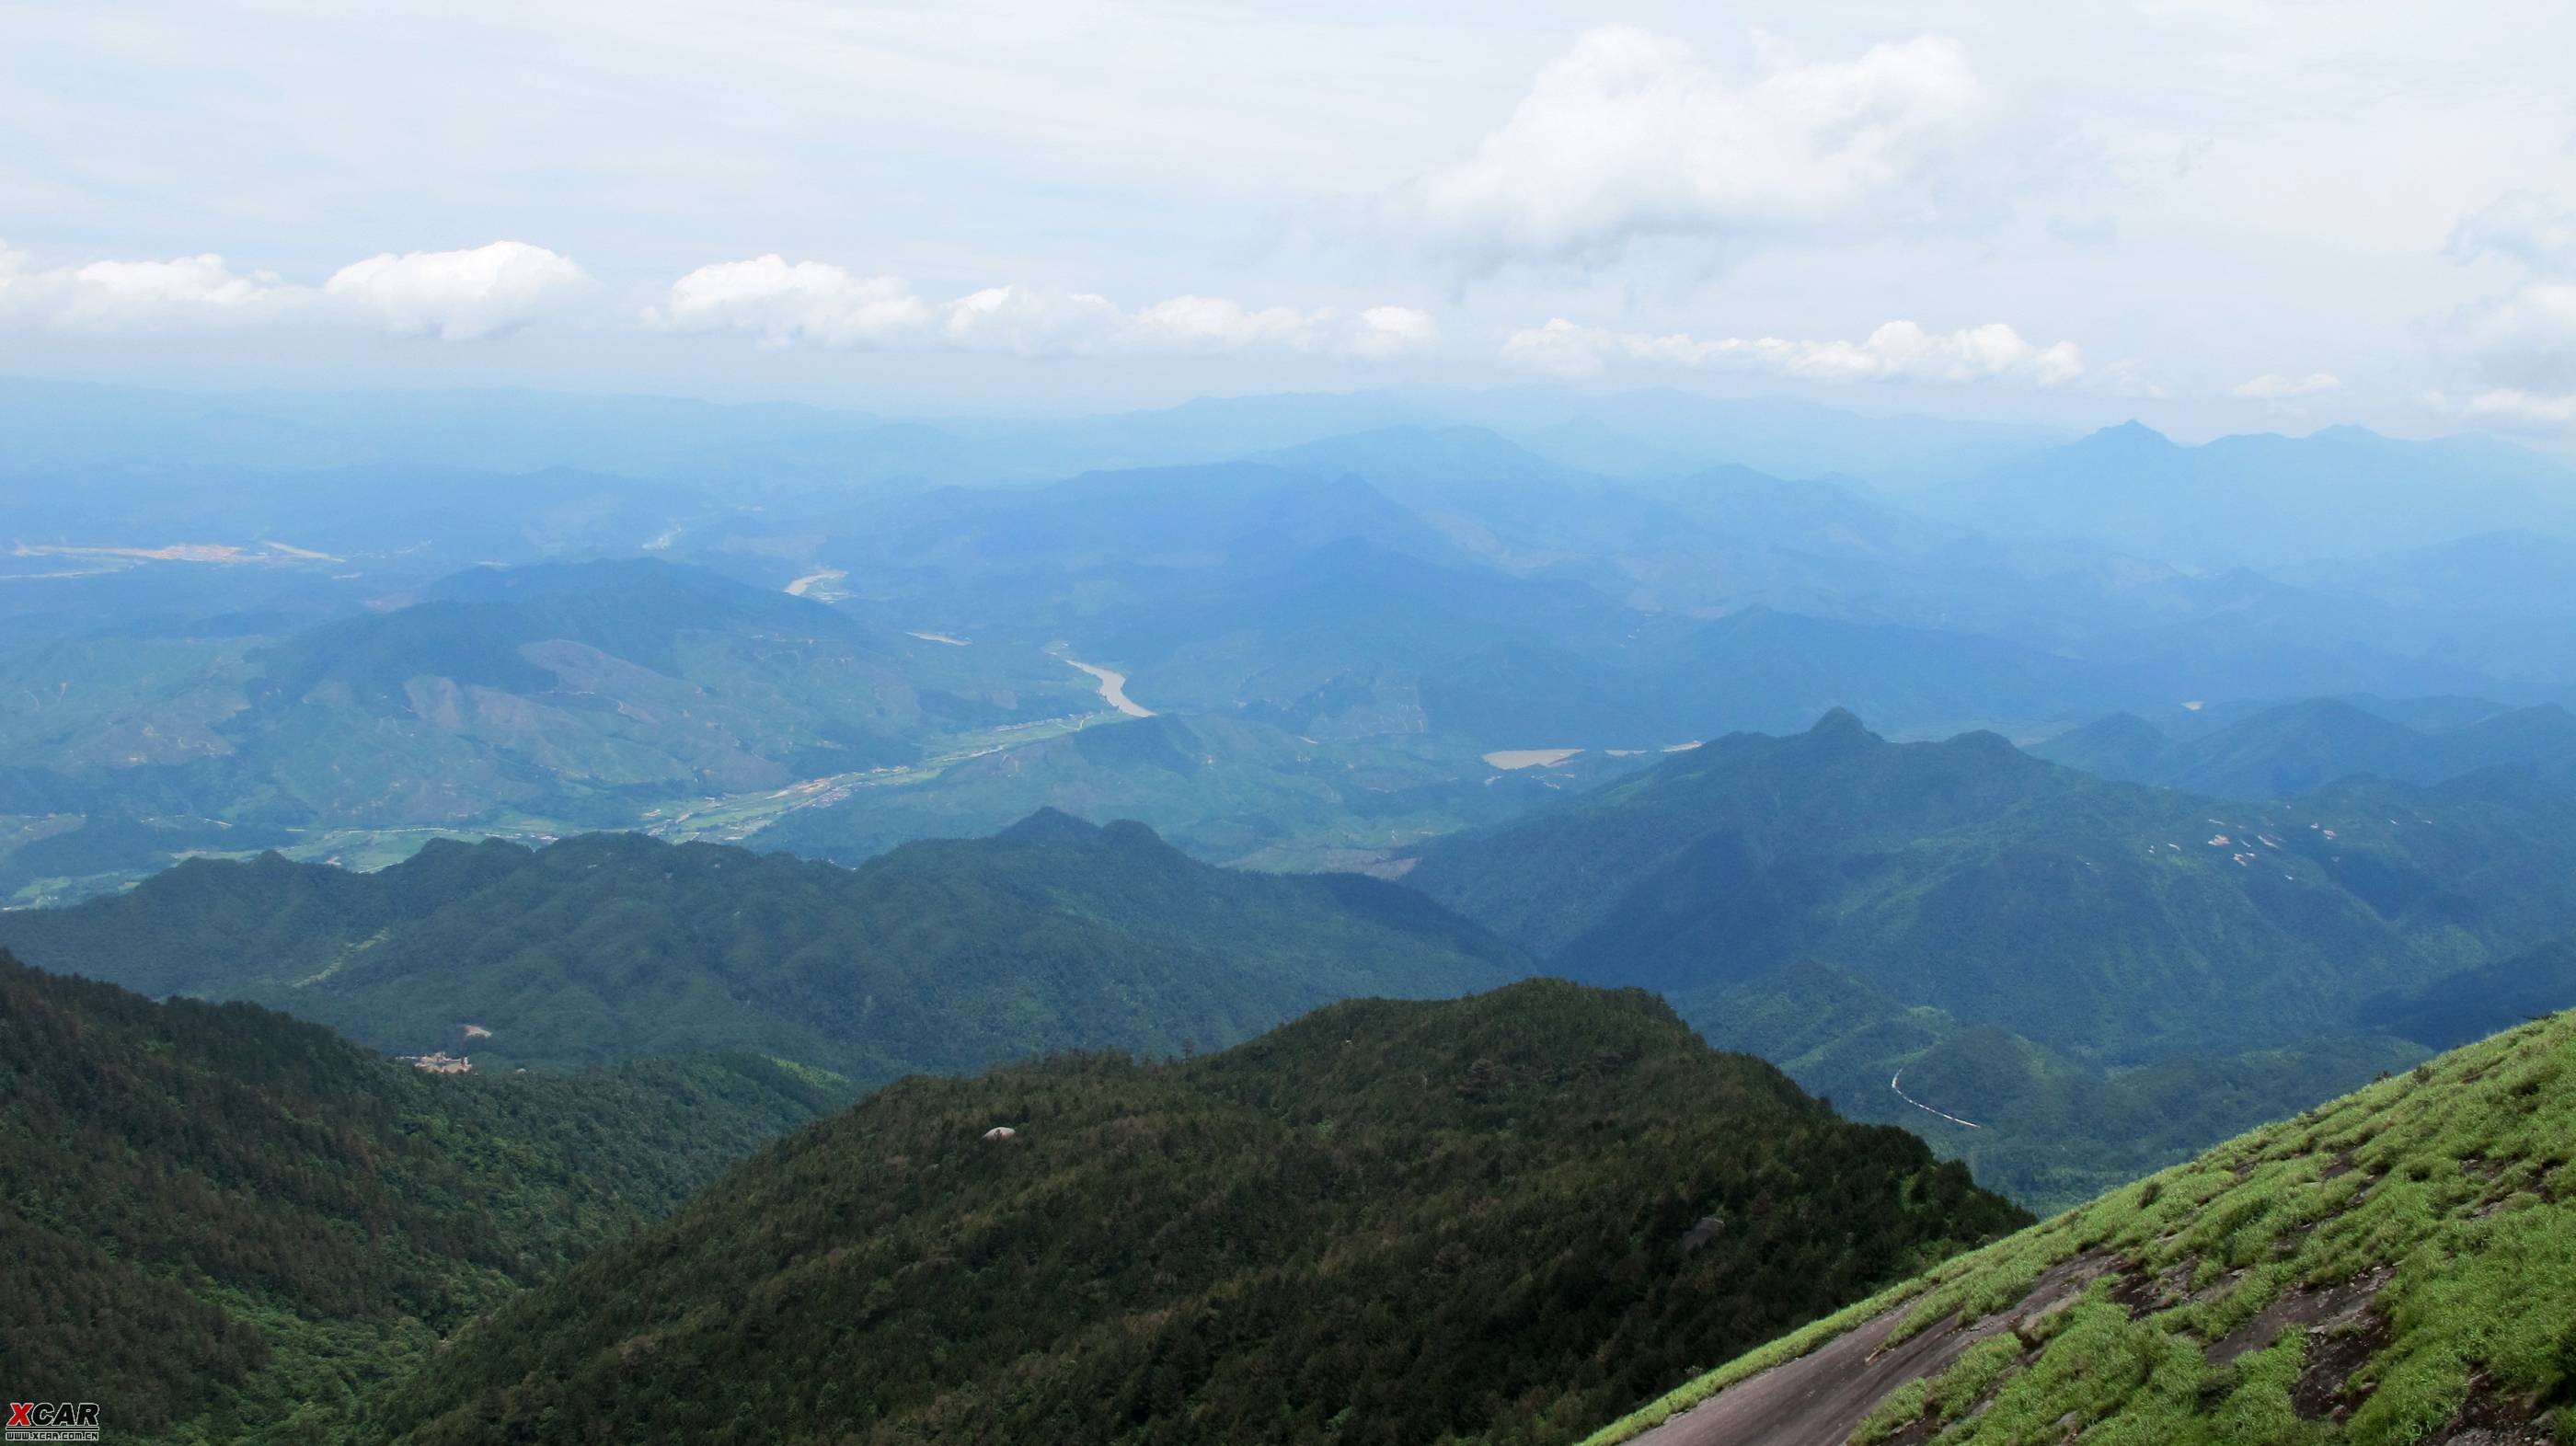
<point>2300,746</point>
<point>70,427</point>
<point>2262,501</point>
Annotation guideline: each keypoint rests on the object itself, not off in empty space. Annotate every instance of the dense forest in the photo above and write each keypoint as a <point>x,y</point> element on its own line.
<point>1498,1219</point>
<point>943,955</point>
<point>227,1224</point>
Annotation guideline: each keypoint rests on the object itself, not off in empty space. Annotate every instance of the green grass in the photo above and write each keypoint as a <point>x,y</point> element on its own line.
<point>2453,1178</point>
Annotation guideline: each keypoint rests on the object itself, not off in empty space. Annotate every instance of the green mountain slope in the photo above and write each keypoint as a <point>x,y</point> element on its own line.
<point>1480,1219</point>
<point>2064,953</point>
<point>946,955</point>
<point>2100,918</point>
<point>2395,1266</point>
<point>225,1224</point>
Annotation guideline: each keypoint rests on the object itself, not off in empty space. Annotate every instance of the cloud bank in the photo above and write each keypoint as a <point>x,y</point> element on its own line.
<point>1896,351</point>
<point>464,295</point>
<point>2272,386</point>
<point>813,301</point>
<point>121,296</point>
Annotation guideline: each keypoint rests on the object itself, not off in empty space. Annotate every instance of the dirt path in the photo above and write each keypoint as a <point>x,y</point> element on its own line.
<point>1927,1109</point>
<point>1818,1398</point>
<point>1113,690</point>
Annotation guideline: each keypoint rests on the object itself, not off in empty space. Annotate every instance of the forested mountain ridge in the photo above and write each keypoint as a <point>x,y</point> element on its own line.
<point>2389,1267</point>
<point>945,955</point>
<point>1472,1220</point>
<point>226,1224</point>
<point>2021,938</point>
<point>1967,875</point>
<point>2299,746</point>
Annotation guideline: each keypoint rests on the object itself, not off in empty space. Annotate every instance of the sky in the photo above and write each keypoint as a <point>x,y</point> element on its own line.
<point>2213,216</point>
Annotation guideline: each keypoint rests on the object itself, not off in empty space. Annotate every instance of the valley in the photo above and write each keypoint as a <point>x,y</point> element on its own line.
<point>1530,936</point>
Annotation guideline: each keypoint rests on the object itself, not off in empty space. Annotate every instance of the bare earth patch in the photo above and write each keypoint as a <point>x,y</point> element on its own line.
<point>1511,758</point>
<point>1819,1398</point>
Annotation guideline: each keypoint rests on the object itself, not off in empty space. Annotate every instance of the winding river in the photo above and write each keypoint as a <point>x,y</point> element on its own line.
<point>1113,689</point>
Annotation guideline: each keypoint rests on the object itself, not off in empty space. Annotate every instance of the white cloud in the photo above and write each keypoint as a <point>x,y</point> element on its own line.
<point>1212,323</point>
<point>2127,379</point>
<point>453,295</point>
<point>808,301</point>
<point>819,302</point>
<point>103,296</point>
<point>1386,331</point>
<point>466,295</point>
<point>2510,404</point>
<point>1631,136</point>
<point>1896,351</point>
<point>2272,386</point>
<point>1032,321</point>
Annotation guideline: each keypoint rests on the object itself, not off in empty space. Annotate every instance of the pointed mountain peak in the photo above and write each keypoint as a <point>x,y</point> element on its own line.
<point>1049,825</point>
<point>1841,725</point>
<point>2131,435</point>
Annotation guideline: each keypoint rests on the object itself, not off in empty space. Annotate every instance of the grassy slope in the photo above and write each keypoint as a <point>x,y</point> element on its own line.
<point>2450,1182</point>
